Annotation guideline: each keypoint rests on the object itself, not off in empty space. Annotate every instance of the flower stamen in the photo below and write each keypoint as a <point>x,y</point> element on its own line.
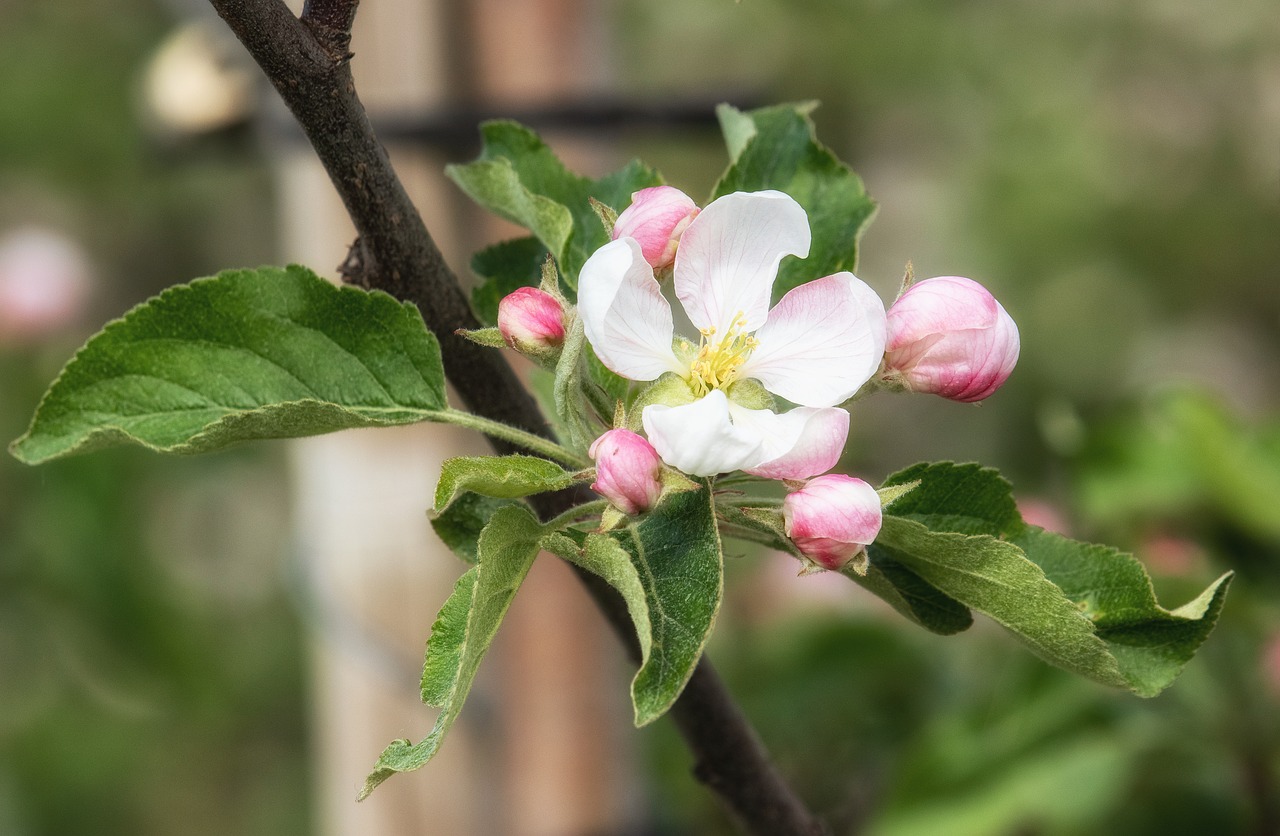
<point>717,363</point>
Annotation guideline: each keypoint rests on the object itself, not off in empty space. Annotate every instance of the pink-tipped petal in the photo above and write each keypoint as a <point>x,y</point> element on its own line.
<point>805,441</point>
<point>531,320</point>
<point>949,336</point>
<point>625,317</point>
<point>656,218</point>
<point>822,341</point>
<point>627,471</point>
<point>728,257</point>
<point>832,518</point>
<point>700,439</point>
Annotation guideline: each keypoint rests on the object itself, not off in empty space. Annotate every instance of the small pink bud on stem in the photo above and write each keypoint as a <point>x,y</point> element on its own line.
<point>832,519</point>
<point>656,219</point>
<point>531,321</point>
<point>948,336</point>
<point>628,471</point>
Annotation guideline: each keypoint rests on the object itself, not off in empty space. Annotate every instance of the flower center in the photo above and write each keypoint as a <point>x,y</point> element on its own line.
<point>718,361</point>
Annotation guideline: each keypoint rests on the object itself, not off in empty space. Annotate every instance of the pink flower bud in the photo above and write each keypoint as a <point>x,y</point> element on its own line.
<point>656,218</point>
<point>531,320</point>
<point>627,469</point>
<point>948,336</point>
<point>832,518</point>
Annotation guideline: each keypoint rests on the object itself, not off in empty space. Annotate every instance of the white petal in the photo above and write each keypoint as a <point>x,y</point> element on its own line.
<point>800,443</point>
<point>823,340</point>
<point>625,317</point>
<point>699,439</point>
<point>728,257</point>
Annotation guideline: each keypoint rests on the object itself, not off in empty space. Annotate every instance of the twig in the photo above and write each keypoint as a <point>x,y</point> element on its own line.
<point>306,60</point>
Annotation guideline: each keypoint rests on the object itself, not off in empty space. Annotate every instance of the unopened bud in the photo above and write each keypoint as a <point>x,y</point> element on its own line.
<point>832,519</point>
<point>948,336</point>
<point>531,321</point>
<point>656,219</point>
<point>627,471</point>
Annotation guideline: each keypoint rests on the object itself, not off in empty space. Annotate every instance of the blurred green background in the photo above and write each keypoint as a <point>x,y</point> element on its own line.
<point>1110,171</point>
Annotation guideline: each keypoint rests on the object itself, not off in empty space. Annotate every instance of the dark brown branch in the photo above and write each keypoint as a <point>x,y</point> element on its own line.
<point>306,61</point>
<point>331,20</point>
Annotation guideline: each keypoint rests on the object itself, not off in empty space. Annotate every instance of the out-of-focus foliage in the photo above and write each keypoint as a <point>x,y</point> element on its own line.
<point>150,665</point>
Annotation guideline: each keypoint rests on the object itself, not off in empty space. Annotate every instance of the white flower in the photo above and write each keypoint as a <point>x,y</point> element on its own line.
<point>816,347</point>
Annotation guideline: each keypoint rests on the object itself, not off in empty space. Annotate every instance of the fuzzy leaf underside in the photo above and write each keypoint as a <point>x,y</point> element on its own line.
<point>463,632</point>
<point>677,561</point>
<point>247,354</point>
<point>500,477</point>
<point>460,525</point>
<point>1087,608</point>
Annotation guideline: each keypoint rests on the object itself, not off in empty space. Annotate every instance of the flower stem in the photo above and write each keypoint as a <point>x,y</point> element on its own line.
<point>506,432</point>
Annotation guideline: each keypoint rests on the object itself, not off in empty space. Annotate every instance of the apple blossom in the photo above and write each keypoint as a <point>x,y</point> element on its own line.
<point>627,471</point>
<point>656,218</point>
<point>816,347</point>
<point>948,336</point>
<point>832,519</point>
<point>531,320</point>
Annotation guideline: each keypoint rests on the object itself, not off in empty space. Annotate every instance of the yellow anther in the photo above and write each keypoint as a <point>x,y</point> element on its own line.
<point>716,364</point>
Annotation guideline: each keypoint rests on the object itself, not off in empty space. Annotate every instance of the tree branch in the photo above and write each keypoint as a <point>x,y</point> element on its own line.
<point>307,61</point>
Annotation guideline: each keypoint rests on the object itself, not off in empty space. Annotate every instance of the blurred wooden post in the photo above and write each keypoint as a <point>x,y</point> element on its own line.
<point>551,764</point>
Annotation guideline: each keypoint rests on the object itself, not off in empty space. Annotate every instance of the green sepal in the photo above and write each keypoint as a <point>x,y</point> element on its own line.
<point>487,337</point>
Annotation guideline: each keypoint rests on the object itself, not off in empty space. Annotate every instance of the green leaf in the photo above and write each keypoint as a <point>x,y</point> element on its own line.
<point>247,354</point>
<point>996,578</point>
<point>502,477</point>
<point>911,595</point>
<point>675,550</point>
<point>459,526</point>
<point>1023,796</point>
<point>463,631</point>
<point>518,177</point>
<point>1111,590</point>
<point>777,148</point>
<point>964,498</point>
<point>605,557</point>
<point>1151,644</point>
<point>502,269</point>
